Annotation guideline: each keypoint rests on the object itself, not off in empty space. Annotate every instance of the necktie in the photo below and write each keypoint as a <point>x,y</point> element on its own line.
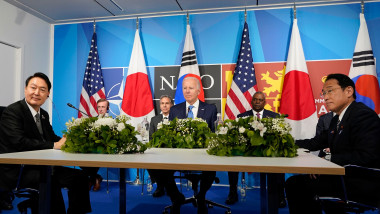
<point>38,122</point>
<point>190,113</point>
<point>337,124</point>
<point>165,119</point>
<point>258,116</point>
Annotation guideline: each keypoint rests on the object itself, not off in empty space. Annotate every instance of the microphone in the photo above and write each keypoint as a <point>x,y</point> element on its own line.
<point>286,115</point>
<point>71,106</point>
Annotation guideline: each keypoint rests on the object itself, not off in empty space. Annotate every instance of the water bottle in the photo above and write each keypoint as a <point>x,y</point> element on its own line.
<point>145,130</point>
<point>219,121</point>
<point>243,189</point>
<point>149,186</point>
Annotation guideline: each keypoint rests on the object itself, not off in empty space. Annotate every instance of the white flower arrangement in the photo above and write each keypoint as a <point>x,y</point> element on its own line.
<point>181,133</point>
<point>250,136</point>
<point>101,135</point>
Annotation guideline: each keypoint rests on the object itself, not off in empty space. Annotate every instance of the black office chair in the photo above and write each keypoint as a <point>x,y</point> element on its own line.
<point>8,196</point>
<point>350,206</point>
<point>29,193</point>
<point>194,178</point>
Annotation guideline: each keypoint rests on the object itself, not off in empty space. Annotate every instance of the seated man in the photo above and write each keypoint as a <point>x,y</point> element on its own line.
<point>353,138</point>
<point>25,126</point>
<point>166,102</point>
<point>103,106</point>
<point>92,172</point>
<point>323,125</point>
<point>192,108</point>
<point>258,102</point>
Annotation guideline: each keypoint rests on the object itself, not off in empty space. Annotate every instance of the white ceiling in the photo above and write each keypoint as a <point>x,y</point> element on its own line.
<point>66,11</point>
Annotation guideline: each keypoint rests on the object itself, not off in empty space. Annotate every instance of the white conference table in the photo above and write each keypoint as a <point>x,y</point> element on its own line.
<point>183,159</point>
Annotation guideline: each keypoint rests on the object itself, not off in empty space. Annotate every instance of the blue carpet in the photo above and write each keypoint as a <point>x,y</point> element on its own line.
<point>137,203</point>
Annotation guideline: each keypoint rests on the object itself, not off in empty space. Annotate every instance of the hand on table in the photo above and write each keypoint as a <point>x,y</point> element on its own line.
<point>59,144</point>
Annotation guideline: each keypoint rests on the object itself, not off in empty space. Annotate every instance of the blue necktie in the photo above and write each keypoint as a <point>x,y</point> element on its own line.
<point>190,113</point>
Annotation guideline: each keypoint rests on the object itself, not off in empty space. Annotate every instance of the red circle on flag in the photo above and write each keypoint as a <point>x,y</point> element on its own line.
<point>137,99</point>
<point>362,85</point>
<point>297,100</point>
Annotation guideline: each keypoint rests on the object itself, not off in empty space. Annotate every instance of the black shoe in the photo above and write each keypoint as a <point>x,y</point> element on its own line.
<point>282,203</point>
<point>232,198</point>
<point>160,191</point>
<point>28,203</point>
<point>4,205</point>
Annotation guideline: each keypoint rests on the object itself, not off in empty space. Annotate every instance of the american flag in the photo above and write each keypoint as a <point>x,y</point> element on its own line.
<point>93,84</point>
<point>243,85</point>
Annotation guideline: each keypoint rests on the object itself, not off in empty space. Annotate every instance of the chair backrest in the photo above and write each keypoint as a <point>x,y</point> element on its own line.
<point>367,180</point>
<point>1,110</point>
<point>351,170</point>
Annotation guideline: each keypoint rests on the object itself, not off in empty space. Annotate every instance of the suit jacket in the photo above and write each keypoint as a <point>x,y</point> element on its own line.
<point>355,142</point>
<point>324,123</point>
<point>205,111</point>
<point>19,132</point>
<point>153,124</point>
<point>266,113</point>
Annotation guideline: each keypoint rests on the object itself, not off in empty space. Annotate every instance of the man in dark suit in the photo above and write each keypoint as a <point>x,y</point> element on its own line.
<point>193,108</point>
<point>166,102</point>
<point>258,102</point>
<point>102,106</point>
<point>353,138</point>
<point>323,125</point>
<point>25,126</point>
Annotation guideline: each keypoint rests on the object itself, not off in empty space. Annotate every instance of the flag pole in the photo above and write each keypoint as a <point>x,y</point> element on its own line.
<point>245,14</point>
<point>137,180</point>
<point>362,5</point>
<point>187,17</point>
<point>295,10</point>
<point>94,26</point>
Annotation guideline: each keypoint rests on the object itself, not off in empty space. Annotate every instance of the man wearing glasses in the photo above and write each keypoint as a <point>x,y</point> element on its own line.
<point>353,138</point>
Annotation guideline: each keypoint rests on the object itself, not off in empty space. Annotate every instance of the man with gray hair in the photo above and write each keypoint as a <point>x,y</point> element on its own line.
<point>191,108</point>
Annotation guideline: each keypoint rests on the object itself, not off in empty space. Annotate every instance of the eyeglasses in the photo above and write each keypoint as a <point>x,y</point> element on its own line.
<point>328,92</point>
<point>255,99</point>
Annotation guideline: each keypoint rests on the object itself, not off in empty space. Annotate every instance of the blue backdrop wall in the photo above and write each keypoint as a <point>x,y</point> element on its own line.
<point>327,33</point>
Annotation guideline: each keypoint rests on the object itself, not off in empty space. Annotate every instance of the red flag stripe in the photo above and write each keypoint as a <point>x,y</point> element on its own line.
<point>236,101</point>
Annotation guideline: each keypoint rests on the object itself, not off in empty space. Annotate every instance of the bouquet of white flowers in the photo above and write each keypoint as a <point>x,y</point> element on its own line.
<point>249,136</point>
<point>101,135</point>
<point>181,133</point>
